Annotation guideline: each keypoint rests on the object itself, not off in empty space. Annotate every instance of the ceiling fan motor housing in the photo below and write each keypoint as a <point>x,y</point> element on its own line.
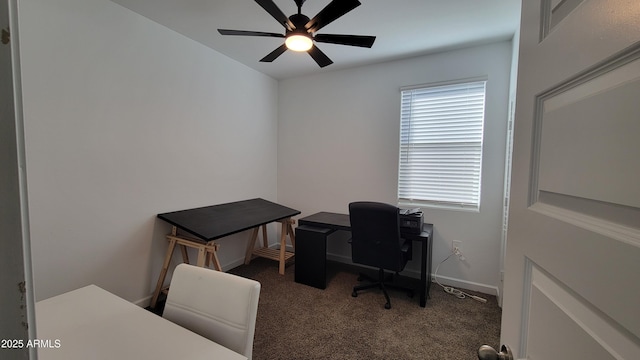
<point>299,21</point>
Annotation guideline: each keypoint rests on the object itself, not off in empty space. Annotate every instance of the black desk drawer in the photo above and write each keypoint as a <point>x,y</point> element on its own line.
<point>311,250</point>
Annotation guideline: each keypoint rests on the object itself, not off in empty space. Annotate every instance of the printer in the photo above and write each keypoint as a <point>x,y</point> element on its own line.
<point>411,221</point>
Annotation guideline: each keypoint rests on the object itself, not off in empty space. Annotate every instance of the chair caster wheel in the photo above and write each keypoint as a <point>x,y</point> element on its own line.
<point>387,306</point>
<point>354,294</point>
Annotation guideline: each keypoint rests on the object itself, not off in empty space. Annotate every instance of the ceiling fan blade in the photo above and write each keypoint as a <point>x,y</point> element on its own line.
<point>277,14</point>
<point>320,58</point>
<point>353,40</point>
<point>274,54</point>
<point>249,33</point>
<point>334,10</point>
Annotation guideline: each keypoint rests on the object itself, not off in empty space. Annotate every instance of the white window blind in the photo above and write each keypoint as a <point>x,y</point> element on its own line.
<point>441,144</point>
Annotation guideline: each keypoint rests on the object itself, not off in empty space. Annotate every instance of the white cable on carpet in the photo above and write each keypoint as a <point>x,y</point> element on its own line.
<point>451,290</point>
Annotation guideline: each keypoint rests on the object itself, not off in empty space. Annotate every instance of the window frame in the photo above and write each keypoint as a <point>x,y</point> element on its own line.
<point>404,149</point>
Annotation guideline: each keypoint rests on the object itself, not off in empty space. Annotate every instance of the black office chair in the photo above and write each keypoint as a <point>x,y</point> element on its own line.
<point>376,242</point>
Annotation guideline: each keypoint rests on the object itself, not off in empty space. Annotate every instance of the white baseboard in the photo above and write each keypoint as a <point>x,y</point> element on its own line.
<point>144,302</point>
<point>467,285</point>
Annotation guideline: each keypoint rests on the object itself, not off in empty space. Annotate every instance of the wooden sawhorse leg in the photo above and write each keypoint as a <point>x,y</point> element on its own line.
<point>185,255</point>
<point>165,267</point>
<point>207,254</point>
<point>278,255</point>
<point>212,256</point>
<point>252,244</point>
<point>286,229</point>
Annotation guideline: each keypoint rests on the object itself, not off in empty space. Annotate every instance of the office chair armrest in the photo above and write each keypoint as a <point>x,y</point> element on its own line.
<point>407,248</point>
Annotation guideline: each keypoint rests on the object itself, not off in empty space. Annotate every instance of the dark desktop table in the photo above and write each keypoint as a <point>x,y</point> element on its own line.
<point>205,224</point>
<point>311,249</point>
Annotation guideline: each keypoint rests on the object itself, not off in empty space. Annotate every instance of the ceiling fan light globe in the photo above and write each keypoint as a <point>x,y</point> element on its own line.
<point>298,42</point>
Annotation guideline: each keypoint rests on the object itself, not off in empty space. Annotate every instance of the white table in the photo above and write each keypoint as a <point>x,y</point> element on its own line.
<point>91,323</point>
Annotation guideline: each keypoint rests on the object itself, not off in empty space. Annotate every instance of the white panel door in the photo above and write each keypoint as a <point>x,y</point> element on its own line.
<point>572,267</point>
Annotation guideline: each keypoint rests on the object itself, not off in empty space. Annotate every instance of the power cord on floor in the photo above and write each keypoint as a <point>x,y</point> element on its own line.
<point>451,290</point>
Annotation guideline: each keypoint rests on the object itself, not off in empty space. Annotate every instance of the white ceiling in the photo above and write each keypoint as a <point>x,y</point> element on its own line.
<point>403,28</point>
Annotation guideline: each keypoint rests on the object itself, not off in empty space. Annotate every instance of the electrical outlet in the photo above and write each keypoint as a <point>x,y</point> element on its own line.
<point>456,244</point>
<point>456,248</point>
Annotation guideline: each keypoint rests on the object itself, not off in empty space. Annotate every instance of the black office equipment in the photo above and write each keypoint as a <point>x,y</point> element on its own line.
<point>376,242</point>
<point>411,221</point>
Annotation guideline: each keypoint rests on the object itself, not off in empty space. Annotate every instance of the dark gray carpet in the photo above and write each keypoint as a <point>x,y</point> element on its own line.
<point>296,321</point>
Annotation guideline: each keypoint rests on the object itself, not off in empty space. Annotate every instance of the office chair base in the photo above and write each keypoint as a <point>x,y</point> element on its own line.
<point>382,284</point>
<point>365,277</point>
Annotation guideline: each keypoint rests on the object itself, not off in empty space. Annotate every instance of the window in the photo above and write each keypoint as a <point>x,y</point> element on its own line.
<point>441,144</point>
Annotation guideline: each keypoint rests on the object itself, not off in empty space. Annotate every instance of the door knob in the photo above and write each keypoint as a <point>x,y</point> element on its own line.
<point>486,352</point>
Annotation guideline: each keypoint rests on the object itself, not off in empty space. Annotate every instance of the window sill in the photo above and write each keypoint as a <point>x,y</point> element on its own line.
<point>427,205</point>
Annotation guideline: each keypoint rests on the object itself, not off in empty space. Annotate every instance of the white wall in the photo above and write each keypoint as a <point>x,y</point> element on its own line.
<point>126,119</point>
<point>338,142</point>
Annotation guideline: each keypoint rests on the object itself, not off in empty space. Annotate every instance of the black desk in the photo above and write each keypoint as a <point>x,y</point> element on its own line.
<point>209,223</point>
<point>213,222</point>
<point>312,232</point>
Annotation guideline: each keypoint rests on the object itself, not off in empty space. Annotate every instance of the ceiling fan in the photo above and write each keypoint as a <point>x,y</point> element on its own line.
<point>300,31</point>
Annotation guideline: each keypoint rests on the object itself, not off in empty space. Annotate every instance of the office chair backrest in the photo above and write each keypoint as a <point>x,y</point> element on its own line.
<point>375,232</point>
<point>219,306</point>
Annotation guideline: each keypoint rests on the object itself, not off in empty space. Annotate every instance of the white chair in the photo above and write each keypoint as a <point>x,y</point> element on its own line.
<point>219,306</point>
